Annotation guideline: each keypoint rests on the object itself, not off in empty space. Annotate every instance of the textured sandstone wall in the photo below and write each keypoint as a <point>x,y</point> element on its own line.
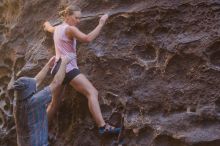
<point>156,62</point>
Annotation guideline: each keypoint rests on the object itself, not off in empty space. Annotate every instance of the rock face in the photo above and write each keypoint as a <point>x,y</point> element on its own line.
<point>157,63</point>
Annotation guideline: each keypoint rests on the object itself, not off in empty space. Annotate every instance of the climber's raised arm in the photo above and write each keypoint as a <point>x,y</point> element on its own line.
<point>74,32</point>
<point>48,27</point>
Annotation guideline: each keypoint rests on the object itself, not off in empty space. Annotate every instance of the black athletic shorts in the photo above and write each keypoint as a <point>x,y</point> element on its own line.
<point>69,76</point>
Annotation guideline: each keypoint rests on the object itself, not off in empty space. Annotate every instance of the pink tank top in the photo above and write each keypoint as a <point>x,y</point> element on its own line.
<point>63,45</point>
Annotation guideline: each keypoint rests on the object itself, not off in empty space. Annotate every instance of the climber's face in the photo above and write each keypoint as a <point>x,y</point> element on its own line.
<point>74,19</point>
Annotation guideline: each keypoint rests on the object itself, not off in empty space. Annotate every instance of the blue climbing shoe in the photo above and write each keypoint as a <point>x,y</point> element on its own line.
<point>108,130</point>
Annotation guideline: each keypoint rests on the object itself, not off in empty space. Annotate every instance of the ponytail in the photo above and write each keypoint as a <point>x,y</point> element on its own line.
<point>62,13</point>
<point>69,11</point>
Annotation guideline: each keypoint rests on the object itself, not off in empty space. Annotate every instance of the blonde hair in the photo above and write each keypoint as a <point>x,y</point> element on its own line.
<point>69,11</point>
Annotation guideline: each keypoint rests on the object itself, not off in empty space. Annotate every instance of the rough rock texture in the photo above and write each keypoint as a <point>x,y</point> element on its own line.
<point>156,62</point>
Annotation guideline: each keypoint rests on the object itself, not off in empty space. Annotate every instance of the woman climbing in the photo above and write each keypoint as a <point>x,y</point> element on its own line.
<point>65,36</point>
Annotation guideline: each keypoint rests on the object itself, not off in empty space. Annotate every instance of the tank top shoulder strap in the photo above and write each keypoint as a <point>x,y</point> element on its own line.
<point>64,26</point>
<point>64,35</point>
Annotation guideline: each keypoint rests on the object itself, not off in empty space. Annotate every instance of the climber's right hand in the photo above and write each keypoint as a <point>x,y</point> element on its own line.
<point>103,19</point>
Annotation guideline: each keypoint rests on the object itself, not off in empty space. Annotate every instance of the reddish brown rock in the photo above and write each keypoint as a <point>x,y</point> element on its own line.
<point>157,62</point>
